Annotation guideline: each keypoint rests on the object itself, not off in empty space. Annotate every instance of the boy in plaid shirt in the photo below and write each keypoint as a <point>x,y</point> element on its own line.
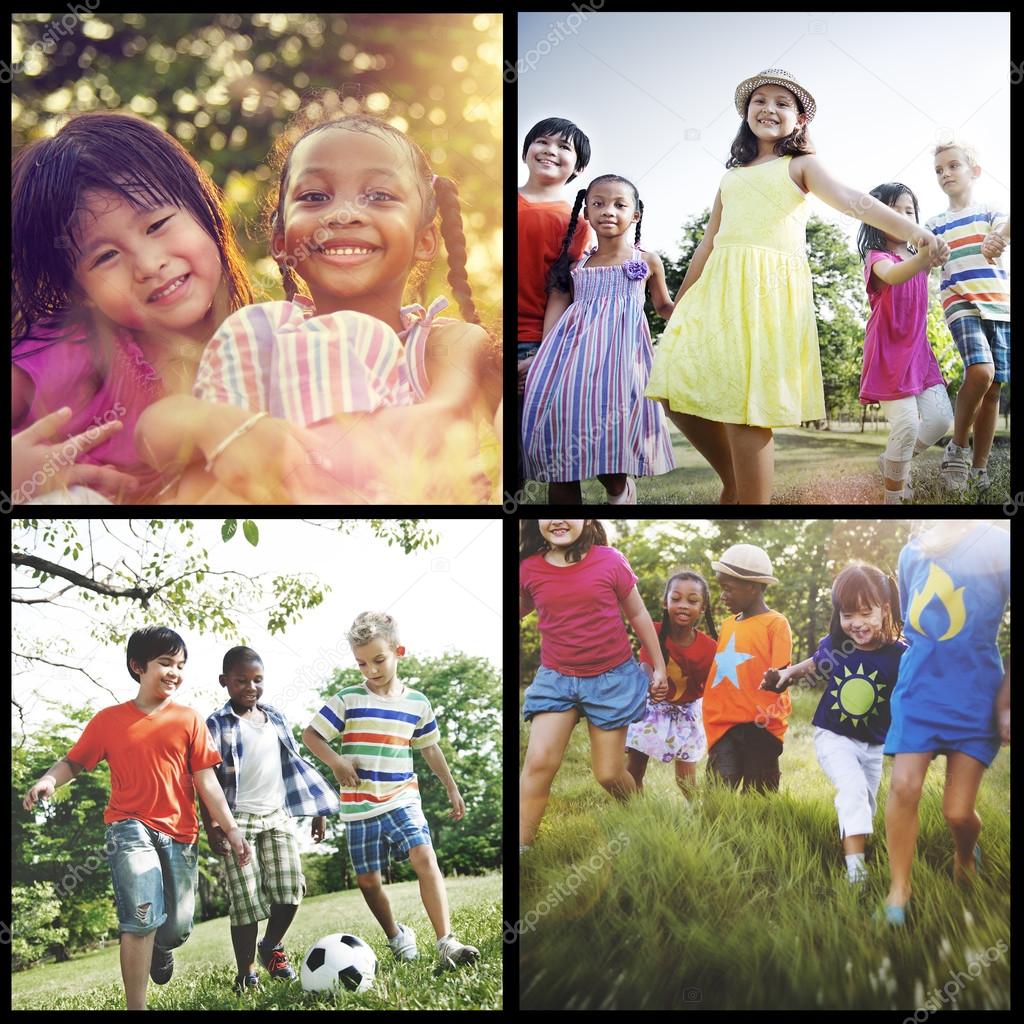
<point>380,723</point>
<point>265,780</point>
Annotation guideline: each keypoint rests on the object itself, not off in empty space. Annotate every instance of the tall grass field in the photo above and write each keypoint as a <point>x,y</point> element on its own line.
<point>740,901</point>
<point>204,968</point>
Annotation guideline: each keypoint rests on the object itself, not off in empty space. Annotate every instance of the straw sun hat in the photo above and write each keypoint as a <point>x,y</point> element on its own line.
<point>746,562</point>
<point>774,76</point>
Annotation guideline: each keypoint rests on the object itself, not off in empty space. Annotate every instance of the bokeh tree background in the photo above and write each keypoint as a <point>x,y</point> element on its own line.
<point>226,85</point>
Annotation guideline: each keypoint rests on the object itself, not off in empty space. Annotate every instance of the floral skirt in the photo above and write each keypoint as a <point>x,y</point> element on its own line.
<point>669,732</point>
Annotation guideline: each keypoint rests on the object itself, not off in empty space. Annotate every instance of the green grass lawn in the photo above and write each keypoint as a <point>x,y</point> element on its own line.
<point>811,467</point>
<point>205,967</point>
<point>740,901</point>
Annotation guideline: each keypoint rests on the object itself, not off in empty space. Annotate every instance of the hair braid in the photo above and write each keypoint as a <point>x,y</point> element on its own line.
<point>447,193</point>
<point>640,206</point>
<point>559,276</point>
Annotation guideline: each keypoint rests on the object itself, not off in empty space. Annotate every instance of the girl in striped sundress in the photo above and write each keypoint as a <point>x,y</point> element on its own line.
<point>584,410</point>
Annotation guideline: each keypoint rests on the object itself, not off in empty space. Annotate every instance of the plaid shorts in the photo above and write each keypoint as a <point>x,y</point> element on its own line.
<point>371,841</point>
<point>983,341</point>
<point>274,875</point>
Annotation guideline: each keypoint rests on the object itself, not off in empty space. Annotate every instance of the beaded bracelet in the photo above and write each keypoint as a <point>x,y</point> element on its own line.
<point>233,436</point>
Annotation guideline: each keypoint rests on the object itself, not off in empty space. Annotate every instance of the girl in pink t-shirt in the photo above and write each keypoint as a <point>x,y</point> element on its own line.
<point>900,370</point>
<point>580,589</point>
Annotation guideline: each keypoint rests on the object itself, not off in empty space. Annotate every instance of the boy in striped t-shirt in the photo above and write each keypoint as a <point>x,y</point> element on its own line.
<point>380,723</point>
<point>976,303</point>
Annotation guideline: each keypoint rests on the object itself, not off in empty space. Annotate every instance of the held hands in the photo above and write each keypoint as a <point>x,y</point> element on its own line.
<point>992,246</point>
<point>936,249</point>
<point>218,840</point>
<point>659,686</point>
<point>776,680</point>
<point>317,830</point>
<point>243,851</point>
<point>345,772</point>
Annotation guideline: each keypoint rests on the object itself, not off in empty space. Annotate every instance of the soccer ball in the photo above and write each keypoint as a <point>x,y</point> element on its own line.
<point>338,960</point>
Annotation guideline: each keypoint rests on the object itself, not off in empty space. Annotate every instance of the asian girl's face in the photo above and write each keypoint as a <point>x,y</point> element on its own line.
<point>352,220</point>
<point>903,204</point>
<point>551,159</point>
<point>864,625</point>
<point>685,602</point>
<point>561,533</point>
<point>611,208</point>
<point>155,271</point>
<point>773,113</point>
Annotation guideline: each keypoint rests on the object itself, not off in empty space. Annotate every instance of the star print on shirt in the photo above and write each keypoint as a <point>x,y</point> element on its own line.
<point>728,661</point>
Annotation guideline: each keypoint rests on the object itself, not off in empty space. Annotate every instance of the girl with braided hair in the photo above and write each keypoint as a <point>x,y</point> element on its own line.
<point>672,730</point>
<point>384,388</point>
<point>584,410</point>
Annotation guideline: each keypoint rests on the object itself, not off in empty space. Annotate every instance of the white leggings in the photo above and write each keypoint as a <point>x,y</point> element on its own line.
<point>914,424</point>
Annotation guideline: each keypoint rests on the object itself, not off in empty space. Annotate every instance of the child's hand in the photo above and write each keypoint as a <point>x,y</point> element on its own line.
<point>218,840</point>
<point>938,249</point>
<point>1003,716</point>
<point>776,680</point>
<point>318,827</point>
<point>659,685</point>
<point>345,772</point>
<point>992,246</point>
<point>42,790</point>
<point>32,454</point>
<point>524,369</point>
<point>243,851</point>
<point>458,804</point>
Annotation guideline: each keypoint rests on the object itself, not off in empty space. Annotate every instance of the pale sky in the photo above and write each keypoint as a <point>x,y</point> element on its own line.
<point>654,93</point>
<point>444,597</point>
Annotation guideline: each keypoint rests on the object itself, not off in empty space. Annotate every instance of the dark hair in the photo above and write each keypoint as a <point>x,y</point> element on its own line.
<point>859,585</point>
<point>744,147</point>
<point>117,153</point>
<point>869,237</point>
<point>569,131</point>
<point>438,199</point>
<point>237,656</point>
<point>685,574</point>
<point>152,642</point>
<point>532,543</point>
<point>559,276</point>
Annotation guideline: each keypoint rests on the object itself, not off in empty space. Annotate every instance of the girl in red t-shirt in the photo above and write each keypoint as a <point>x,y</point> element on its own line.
<point>581,588</point>
<point>673,729</point>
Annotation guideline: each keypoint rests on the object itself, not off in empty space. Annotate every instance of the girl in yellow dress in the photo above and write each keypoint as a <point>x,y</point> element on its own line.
<point>740,353</point>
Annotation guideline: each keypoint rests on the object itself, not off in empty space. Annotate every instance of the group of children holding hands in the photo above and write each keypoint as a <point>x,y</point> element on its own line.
<point>739,353</point>
<point>910,668</point>
<point>251,779</point>
<point>144,368</point>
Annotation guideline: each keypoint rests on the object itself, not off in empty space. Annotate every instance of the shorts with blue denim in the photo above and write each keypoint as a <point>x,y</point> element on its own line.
<point>611,700</point>
<point>525,349</point>
<point>373,841</point>
<point>983,341</point>
<point>154,880</point>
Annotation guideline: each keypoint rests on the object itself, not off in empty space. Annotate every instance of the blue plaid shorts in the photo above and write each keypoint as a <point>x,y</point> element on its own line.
<point>983,341</point>
<point>372,841</point>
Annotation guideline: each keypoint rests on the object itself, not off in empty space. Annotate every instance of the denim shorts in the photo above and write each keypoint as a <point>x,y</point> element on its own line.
<point>154,881</point>
<point>373,841</point>
<point>525,349</point>
<point>983,341</point>
<point>611,700</point>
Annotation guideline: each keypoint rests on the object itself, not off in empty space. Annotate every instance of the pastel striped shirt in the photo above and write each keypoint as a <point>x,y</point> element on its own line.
<point>971,286</point>
<point>279,357</point>
<point>380,734</point>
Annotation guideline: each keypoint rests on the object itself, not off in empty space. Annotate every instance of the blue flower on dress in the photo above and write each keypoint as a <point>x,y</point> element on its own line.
<point>636,270</point>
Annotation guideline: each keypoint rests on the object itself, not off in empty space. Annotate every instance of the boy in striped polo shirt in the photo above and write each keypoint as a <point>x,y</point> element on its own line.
<point>976,303</point>
<point>380,723</point>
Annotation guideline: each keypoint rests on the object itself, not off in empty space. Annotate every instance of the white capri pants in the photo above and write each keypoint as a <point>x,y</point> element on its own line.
<point>915,423</point>
<point>855,768</point>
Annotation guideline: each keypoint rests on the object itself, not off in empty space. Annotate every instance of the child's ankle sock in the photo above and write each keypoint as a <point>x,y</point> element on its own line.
<point>856,869</point>
<point>893,497</point>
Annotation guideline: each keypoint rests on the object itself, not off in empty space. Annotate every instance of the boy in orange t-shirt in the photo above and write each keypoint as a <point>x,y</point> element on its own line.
<point>744,724</point>
<point>555,151</point>
<point>160,754</point>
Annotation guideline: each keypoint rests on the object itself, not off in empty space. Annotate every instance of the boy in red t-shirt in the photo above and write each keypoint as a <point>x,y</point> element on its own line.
<point>160,754</point>
<point>555,151</point>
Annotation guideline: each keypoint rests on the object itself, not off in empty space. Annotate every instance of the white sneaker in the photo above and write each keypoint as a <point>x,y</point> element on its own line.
<point>955,466</point>
<point>403,945</point>
<point>628,495</point>
<point>451,952</point>
<point>979,477</point>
